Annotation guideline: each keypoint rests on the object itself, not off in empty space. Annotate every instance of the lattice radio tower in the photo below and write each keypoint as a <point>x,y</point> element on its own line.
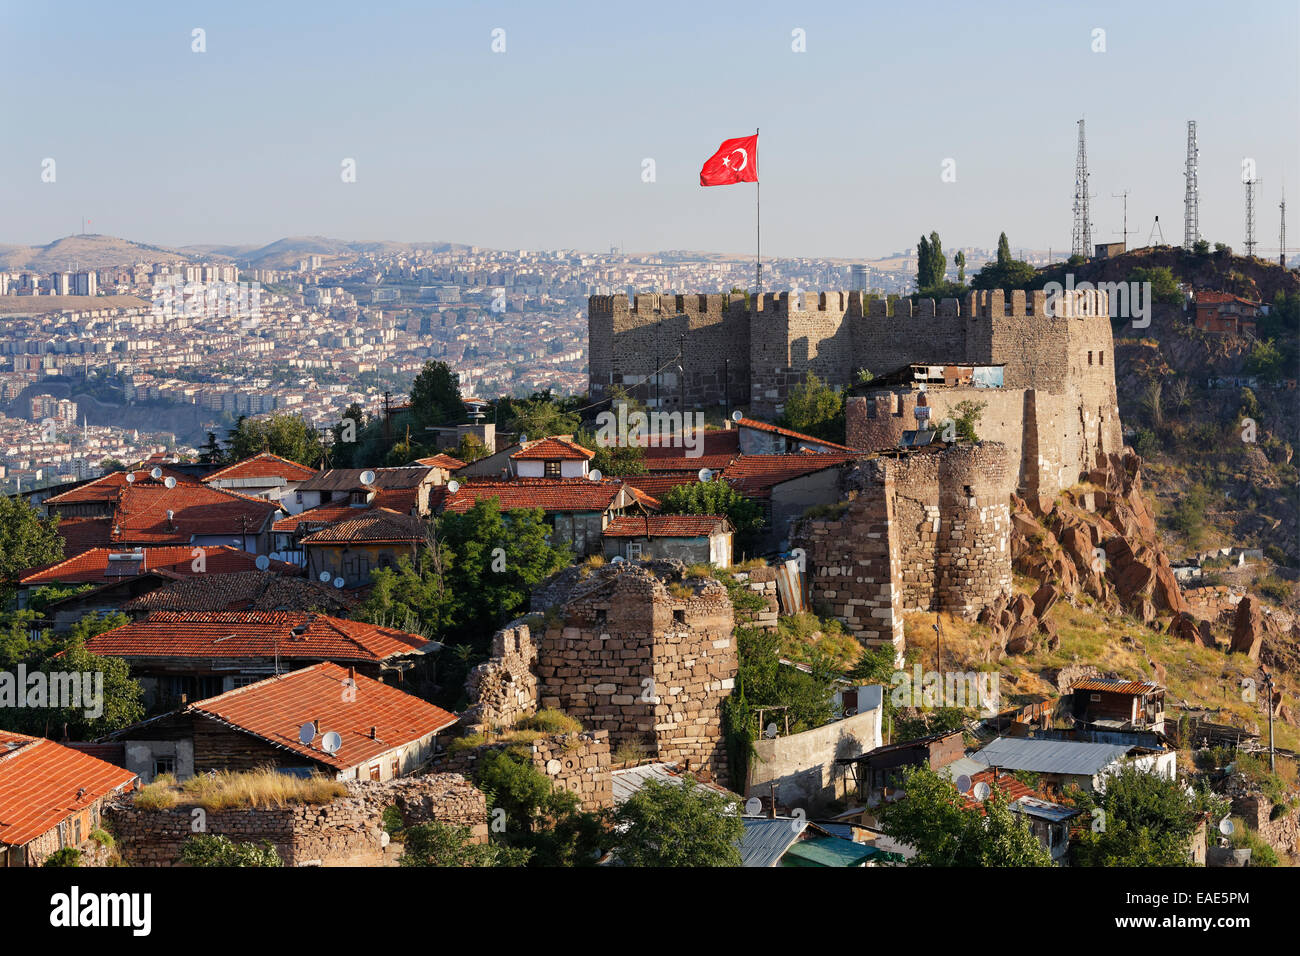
<point>1281,237</point>
<point>1081,240</point>
<point>1192,198</point>
<point>1250,215</point>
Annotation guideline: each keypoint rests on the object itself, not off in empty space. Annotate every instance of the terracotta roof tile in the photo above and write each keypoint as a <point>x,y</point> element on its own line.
<point>666,526</point>
<point>106,488</point>
<point>254,634</point>
<point>659,485</point>
<point>549,494</point>
<point>349,479</point>
<point>370,525</point>
<point>108,565</point>
<point>552,449</point>
<point>788,433</point>
<point>755,475</point>
<point>244,591</point>
<point>42,784</point>
<point>264,465</point>
<point>274,709</point>
<point>441,460</point>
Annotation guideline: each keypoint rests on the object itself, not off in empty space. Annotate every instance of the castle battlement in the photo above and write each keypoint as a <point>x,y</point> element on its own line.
<point>983,304</point>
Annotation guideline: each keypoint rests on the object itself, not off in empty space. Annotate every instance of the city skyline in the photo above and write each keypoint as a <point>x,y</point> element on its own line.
<point>526,149</point>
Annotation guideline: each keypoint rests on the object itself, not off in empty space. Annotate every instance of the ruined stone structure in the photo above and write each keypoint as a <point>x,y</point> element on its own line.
<point>923,531</point>
<point>579,763</point>
<point>648,656</point>
<point>345,832</point>
<point>1056,410</point>
<point>503,688</point>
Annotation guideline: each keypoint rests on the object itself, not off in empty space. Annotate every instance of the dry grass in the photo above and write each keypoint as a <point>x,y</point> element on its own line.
<point>265,787</point>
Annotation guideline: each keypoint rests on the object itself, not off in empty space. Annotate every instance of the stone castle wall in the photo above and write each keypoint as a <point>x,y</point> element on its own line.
<point>923,531</point>
<point>646,659</point>
<point>579,763</point>
<point>764,351</point>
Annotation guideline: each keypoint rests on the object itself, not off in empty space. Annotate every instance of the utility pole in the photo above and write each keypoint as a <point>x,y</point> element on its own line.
<point>1272,753</point>
<point>1124,233</point>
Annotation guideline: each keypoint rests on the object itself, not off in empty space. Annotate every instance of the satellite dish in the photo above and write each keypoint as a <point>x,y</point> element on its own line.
<point>770,731</point>
<point>367,477</point>
<point>130,478</point>
<point>737,416</point>
<point>156,473</point>
<point>704,474</point>
<point>963,784</point>
<point>753,807</point>
<point>325,576</point>
<point>262,562</point>
<point>523,439</point>
<point>306,734</point>
<point>339,582</point>
<point>170,482</point>
<point>595,474</point>
<point>331,743</point>
<point>1226,826</point>
<point>170,514</point>
<point>617,559</point>
<point>453,487</point>
<point>982,791</point>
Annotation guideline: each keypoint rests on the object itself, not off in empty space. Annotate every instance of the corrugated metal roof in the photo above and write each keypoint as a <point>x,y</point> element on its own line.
<point>766,839</point>
<point>1114,686</point>
<point>1050,756</point>
<point>627,782</point>
<point>1045,810</point>
<point>962,767</point>
<point>828,851</point>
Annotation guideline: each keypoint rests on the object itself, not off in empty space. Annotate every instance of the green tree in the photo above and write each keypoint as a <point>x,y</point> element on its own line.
<point>969,414</point>
<point>686,825</point>
<point>815,408</point>
<point>613,460</point>
<point>1164,286</point>
<point>1145,820</point>
<point>65,857</point>
<point>959,260</point>
<point>438,844</point>
<point>541,416</point>
<point>347,437</point>
<point>282,433</point>
<point>471,448</point>
<point>545,821</point>
<point>1005,272</point>
<point>435,396</point>
<point>1265,361</point>
<point>27,540</point>
<point>717,498</point>
<point>209,451</point>
<point>207,849</point>
<point>933,819</point>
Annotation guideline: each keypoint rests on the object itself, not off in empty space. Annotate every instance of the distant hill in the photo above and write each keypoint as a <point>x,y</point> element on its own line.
<point>83,252</point>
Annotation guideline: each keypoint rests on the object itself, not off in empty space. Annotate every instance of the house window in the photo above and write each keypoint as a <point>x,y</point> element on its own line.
<point>76,832</point>
<point>601,618</point>
<point>396,767</point>
<point>244,680</point>
<point>1101,358</point>
<point>162,765</point>
<point>297,497</point>
<point>374,771</point>
<point>552,469</point>
<point>1095,698</point>
<point>679,617</point>
<point>634,551</point>
<point>1089,358</point>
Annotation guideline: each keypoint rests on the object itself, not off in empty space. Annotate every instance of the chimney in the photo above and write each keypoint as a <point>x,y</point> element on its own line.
<point>352,673</point>
<point>374,733</point>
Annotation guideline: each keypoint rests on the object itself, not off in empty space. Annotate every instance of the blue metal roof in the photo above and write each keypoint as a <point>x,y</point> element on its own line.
<point>1050,756</point>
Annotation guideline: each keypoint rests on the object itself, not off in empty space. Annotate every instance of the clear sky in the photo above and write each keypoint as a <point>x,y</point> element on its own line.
<point>542,146</point>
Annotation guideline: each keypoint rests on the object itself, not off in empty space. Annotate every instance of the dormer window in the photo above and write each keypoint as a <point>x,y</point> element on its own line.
<point>359,497</point>
<point>552,469</point>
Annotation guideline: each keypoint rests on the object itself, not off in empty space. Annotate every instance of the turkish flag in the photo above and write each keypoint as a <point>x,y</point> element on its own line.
<point>736,161</point>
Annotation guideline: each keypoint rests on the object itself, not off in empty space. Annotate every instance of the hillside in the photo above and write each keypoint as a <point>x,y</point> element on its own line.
<point>83,252</point>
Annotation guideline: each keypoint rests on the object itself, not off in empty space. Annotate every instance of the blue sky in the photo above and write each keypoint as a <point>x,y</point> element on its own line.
<point>542,146</point>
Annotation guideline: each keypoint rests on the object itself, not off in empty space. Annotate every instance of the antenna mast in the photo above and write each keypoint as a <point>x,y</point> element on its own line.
<point>1250,215</point>
<point>1192,198</point>
<point>1281,238</point>
<point>1081,243</point>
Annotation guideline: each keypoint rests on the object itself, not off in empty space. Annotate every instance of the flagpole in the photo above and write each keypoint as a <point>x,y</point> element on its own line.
<point>758,224</point>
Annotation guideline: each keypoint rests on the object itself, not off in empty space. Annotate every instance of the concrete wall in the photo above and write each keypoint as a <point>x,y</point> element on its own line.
<point>802,766</point>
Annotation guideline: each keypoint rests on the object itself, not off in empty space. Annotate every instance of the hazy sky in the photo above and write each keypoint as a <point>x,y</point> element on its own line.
<point>542,146</point>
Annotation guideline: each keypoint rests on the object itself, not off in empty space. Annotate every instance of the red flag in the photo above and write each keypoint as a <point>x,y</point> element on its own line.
<point>736,161</point>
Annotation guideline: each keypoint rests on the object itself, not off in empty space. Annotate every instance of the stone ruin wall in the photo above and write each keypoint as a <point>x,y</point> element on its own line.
<point>924,531</point>
<point>346,832</point>
<point>649,666</point>
<point>579,763</point>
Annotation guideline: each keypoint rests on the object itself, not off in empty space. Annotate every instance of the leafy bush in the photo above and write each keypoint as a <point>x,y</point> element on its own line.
<point>438,844</point>
<point>207,849</point>
<point>67,856</point>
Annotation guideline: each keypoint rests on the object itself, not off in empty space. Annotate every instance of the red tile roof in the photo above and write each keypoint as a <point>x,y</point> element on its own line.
<point>264,465</point>
<point>318,517</point>
<point>106,488</point>
<point>659,485</point>
<point>42,783</point>
<point>666,526</point>
<point>551,449</point>
<point>441,460</point>
<point>96,567</point>
<point>1207,297</point>
<point>244,591</point>
<point>274,709</point>
<point>724,441</point>
<point>1008,784</point>
<point>755,475</point>
<point>254,634</point>
<point>371,526</point>
<point>82,534</point>
<point>787,433</point>
<point>549,494</point>
<point>685,464</point>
